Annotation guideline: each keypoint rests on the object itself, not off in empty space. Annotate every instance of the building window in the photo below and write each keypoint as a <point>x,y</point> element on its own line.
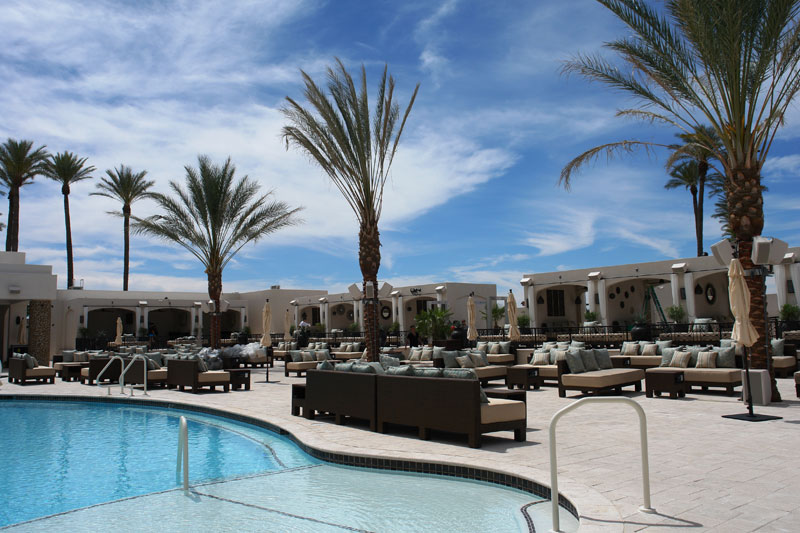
<point>555,302</point>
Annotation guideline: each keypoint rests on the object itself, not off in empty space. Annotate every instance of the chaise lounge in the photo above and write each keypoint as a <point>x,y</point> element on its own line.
<point>183,373</point>
<point>24,369</point>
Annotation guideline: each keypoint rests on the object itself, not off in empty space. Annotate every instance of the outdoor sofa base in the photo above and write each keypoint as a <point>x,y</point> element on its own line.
<point>96,365</point>
<point>597,381</point>
<point>184,373</point>
<point>342,394</point>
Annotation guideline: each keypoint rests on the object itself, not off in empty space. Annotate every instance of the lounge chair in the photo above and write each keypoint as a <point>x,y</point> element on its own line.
<point>24,369</point>
<point>96,365</point>
<point>183,373</point>
<point>135,374</point>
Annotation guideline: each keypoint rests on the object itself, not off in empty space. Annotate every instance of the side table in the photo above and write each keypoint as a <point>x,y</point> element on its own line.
<point>523,376</point>
<point>240,377</point>
<point>663,379</point>
<point>298,398</point>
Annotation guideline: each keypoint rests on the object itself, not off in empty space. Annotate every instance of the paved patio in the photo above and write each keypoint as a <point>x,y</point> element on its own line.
<point>707,473</point>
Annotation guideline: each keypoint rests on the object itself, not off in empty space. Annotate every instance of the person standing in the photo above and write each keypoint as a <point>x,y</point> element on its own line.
<point>413,337</point>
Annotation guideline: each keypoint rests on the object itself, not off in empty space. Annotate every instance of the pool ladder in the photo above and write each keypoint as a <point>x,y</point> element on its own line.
<point>100,375</point>
<point>645,508</point>
<point>183,454</point>
<point>136,357</point>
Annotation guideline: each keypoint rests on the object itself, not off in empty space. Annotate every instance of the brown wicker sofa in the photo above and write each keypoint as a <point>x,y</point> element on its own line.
<point>96,365</point>
<point>184,373</point>
<point>342,394</point>
<point>19,372</point>
<point>446,404</point>
<point>135,374</point>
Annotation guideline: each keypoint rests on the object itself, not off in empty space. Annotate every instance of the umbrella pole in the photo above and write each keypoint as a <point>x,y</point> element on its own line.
<point>749,398</point>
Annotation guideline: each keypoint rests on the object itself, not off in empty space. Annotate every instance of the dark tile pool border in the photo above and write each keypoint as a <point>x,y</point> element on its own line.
<point>401,465</point>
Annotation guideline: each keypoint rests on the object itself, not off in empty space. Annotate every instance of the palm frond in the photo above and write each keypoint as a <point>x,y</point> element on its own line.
<point>610,150</point>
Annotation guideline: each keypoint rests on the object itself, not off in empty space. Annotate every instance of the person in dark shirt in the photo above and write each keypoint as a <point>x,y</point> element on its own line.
<point>413,337</point>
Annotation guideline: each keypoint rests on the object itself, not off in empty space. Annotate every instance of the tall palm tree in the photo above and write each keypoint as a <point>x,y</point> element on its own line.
<point>356,152</point>
<point>127,186</point>
<point>694,148</point>
<point>66,168</point>
<point>685,174</point>
<point>213,218</point>
<point>19,164</point>
<point>732,65</point>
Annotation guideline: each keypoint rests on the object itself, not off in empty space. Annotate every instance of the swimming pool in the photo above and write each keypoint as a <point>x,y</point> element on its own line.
<point>67,460</point>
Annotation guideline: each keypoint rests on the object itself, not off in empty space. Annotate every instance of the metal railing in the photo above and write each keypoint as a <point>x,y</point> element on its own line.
<point>646,507</point>
<point>103,371</point>
<point>183,454</point>
<point>136,357</point>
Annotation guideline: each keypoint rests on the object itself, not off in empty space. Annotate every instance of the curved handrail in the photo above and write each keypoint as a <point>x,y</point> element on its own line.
<point>183,453</point>
<point>136,357</point>
<point>646,508</point>
<point>111,360</point>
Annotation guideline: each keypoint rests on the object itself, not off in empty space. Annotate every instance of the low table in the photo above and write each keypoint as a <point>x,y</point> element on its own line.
<point>239,377</point>
<point>524,377</point>
<point>72,371</point>
<point>662,379</point>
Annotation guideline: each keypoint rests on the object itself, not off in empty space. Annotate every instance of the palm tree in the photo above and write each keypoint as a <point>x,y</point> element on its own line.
<point>126,186</point>
<point>213,218</point>
<point>19,164</point>
<point>66,168</point>
<point>694,149</point>
<point>732,65</point>
<point>685,174</point>
<point>356,153</point>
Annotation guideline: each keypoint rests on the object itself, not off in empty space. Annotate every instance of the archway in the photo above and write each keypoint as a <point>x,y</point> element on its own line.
<point>169,323</point>
<point>103,322</point>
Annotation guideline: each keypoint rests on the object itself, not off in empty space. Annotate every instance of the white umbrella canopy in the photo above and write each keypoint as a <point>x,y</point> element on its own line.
<point>513,329</point>
<point>266,322</point>
<point>118,338</point>
<point>743,331</point>
<point>287,325</point>
<point>22,332</point>
<point>472,331</point>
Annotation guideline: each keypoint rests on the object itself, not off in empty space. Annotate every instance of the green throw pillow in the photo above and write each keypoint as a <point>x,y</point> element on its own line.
<point>428,372</point>
<point>484,398</point>
<point>777,347</point>
<point>483,357</point>
<point>459,373</point>
<point>30,361</point>
<point>666,356</point>
<point>437,351</point>
<point>201,365</point>
<point>325,365</point>
<point>726,357</point>
<point>694,351</point>
<point>589,361</point>
<point>505,347</point>
<point>482,346</point>
<point>450,359</point>
<point>577,344</point>
<point>603,359</point>
<point>401,370</point>
<point>363,368</point>
<point>663,344</point>
<point>388,360</point>
<point>344,367</point>
<point>377,366</point>
<point>575,362</point>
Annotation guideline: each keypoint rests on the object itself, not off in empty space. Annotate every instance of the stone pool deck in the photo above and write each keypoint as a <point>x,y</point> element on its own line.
<point>707,473</point>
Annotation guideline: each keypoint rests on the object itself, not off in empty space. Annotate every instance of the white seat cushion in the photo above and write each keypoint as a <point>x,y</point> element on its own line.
<point>213,376</point>
<point>502,410</point>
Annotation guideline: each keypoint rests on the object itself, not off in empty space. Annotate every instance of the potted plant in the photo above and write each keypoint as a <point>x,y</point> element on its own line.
<point>677,314</point>
<point>497,313</point>
<point>590,316</point>
<point>790,315</point>
<point>434,324</point>
<point>524,323</point>
<point>641,329</point>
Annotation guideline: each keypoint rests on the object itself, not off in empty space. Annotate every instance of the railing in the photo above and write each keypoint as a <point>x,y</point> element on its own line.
<point>110,362</point>
<point>136,357</point>
<point>183,454</point>
<point>645,508</point>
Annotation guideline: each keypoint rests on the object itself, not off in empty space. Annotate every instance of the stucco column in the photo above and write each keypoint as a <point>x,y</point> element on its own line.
<point>39,330</point>
<point>296,315</point>
<point>199,324</point>
<point>688,285</point>
<point>326,316</point>
<point>530,296</point>
<point>85,317</point>
<point>780,284</point>
<point>146,318</point>
<point>601,290</point>
<point>394,308</point>
<point>591,286</point>
<point>361,315</point>
<point>794,269</point>
<point>675,288</point>
<point>401,313</point>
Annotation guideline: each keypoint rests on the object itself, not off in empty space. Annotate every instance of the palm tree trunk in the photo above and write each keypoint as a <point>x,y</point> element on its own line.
<point>369,259</point>
<point>12,231</point>
<point>701,188</point>
<point>697,221</point>
<point>746,219</point>
<point>214,292</point>
<point>126,211</point>
<point>70,273</point>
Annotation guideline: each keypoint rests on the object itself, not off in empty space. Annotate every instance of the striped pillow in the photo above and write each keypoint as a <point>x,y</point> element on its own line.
<point>649,349</point>
<point>680,359</point>
<point>630,349</point>
<point>540,358</point>
<point>706,360</point>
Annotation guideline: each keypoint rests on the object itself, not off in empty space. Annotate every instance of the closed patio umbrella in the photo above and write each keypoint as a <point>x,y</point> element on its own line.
<point>287,325</point>
<point>22,332</point>
<point>472,331</point>
<point>743,332</point>
<point>118,338</point>
<point>266,322</point>
<point>513,329</point>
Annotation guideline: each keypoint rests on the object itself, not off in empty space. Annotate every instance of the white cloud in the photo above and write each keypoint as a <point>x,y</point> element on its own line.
<point>430,35</point>
<point>787,166</point>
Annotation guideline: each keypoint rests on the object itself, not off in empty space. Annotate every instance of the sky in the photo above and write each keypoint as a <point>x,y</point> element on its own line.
<point>473,194</point>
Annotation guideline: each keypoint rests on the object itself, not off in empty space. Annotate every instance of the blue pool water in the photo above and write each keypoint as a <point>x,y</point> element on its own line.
<point>65,458</point>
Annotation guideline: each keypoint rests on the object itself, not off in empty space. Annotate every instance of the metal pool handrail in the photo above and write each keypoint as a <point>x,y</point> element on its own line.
<point>183,453</point>
<point>646,508</point>
<point>100,375</point>
<point>130,364</point>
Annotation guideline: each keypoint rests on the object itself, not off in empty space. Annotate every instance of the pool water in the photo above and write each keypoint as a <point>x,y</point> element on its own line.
<point>66,460</point>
